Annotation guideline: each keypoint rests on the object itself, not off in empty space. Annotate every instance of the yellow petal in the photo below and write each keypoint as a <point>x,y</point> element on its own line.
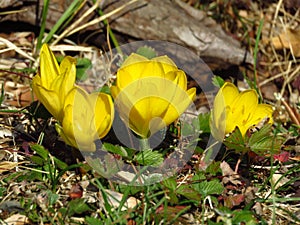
<point>50,100</point>
<point>67,74</point>
<point>134,58</point>
<point>167,63</point>
<point>104,113</point>
<point>261,112</point>
<point>241,111</point>
<point>49,68</point>
<point>224,98</point>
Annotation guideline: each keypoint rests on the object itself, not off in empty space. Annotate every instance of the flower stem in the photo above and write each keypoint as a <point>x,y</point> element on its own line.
<point>144,144</point>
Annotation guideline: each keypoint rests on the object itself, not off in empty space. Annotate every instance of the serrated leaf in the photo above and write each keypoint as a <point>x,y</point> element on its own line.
<point>188,192</point>
<point>268,144</point>
<point>236,141</point>
<point>260,134</point>
<point>149,157</point>
<point>147,52</point>
<point>40,150</point>
<point>206,188</point>
<point>170,183</point>
<point>263,141</point>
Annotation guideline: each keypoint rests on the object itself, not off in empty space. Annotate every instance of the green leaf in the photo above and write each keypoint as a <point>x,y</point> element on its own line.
<point>243,217</point>
<point>170,183</point>
<point>83,64</point>
<point>78,206</point>
<point>37,160</point>
<point>105,89</point>
<point>260,134</point>
<point>188,192</point>
<point>147,52</point>
<point>268,144</point>
<point>204,122</point>
<point>263,141</point>
<point>40,150</point>
<point>2,96</point>
<point>52,197</point>
<point>60,164</point>
<point>115,149</point>
<point>206,188</point>
<point>149,157</point>
<point>92,221</point>
<point>236,141</point>
<point>218,81</point>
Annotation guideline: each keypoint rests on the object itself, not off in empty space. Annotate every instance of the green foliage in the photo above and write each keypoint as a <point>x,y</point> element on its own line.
<point>115,149</point>
<point>149,157</point>
<point>147,52</point>
<point>218,81</point>
<point>206,188</point>
<point>77,206</point>
<point>49,166</point>
<point>261,142</point>
<point>2,96</point>
<point>204,122</point>
<point>82,65</point>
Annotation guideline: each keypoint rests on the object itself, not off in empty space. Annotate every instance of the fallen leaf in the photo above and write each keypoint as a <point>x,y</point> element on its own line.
<point>288,39</point>
<point>282,157</point>
<point>16,219</point>
<point>278,180</point>
<point>229,174</point>
<point>7,166</point>
<point>231,201</point>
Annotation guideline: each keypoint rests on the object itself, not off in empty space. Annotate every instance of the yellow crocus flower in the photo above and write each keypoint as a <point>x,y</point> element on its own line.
<point>54,82</point>
<point>86,118</point>
<point>150,94</point>
<point>236,109</point>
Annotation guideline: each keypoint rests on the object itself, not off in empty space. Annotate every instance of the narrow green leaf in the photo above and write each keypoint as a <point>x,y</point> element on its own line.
<point>61,21</point>
<point>40,150</point>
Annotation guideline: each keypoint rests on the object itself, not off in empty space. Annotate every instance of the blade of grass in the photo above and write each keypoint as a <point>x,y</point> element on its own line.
<point>43,25</point>
<point>256,85</point>
<point>62,20</point>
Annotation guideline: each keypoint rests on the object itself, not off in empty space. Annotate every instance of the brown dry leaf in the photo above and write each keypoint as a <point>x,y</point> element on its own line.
<point>16,219</point>
<point>278,180</point>
<point>20,94</point>
<point>7,166</point>
<point>235,200</point>
<point>229,174</point>
<point>289,39</point>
